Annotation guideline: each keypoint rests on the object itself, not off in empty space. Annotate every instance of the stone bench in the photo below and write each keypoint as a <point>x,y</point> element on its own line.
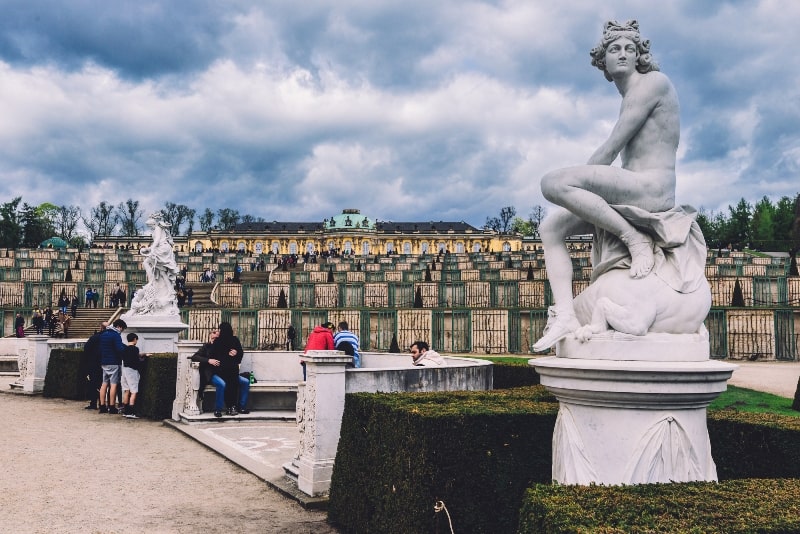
<point>273,396</point>
<point>265,395</point>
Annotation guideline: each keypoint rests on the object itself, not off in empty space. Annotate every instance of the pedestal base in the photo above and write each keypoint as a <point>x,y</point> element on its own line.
<point>157,333</point>
<point>632,421</point>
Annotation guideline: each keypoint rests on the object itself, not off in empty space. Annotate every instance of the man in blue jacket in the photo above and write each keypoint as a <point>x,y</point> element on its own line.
<point>111,349</point>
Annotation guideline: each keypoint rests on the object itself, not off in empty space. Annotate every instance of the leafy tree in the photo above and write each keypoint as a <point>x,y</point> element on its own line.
<point>128,216</point>
<point>206,220</point>
<point>177,215</point>
<point>762,222</point>
<point>738,230</point>
<point>228,218</point>
<point>101,221</point>
<point>784,218</point>
<point>536,216</point>
<point>521,226</point>
<point>506,217</point>
<point>795,238</point>
<point>65,222</point>
<point>10,227</point>
<point>35,228</point>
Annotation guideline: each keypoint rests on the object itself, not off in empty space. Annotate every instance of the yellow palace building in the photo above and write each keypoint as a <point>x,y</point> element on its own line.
<point>351,232</point>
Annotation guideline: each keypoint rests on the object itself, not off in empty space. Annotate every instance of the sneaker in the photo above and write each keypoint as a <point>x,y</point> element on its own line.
<point>217,414</point>
<point>232,411</point>
<point>103,408</point>
<point>244,411</point>
<point>113,410</point>
<point>559,326</point>
<point>90,407</point>
<point>131,416</point>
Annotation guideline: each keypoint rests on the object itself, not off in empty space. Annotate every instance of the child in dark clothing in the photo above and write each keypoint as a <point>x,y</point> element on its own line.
<point>131,364</point>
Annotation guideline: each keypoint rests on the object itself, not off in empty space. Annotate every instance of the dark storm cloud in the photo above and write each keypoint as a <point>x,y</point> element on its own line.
<point>295,110</point>
<point>137,39</point>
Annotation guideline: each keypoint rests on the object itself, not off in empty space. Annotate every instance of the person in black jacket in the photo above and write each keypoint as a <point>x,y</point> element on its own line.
<point>91,367</point>
<point>220,359</point>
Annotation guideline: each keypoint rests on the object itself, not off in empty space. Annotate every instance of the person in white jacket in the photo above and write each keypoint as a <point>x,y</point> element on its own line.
<point>425,357</point>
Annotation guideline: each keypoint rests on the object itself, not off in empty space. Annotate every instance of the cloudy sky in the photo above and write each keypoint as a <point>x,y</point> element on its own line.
<point>412,110</point>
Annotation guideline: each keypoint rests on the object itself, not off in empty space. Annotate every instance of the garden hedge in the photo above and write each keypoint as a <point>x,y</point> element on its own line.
<point>478,451</point>
<point>730,507</point>
<point>66,378</point>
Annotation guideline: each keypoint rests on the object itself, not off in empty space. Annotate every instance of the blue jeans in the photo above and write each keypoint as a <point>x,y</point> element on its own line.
<point>219,399</point>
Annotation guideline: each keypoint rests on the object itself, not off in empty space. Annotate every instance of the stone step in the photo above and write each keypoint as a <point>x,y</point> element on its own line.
<point>254,415</point>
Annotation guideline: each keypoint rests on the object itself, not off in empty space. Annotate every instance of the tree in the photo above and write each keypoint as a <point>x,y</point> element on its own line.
<point>492,223</point>
<point>206,220</point>
<point>101,221</point>
<point>521,226</point>
<point>738,233</point>
<point>10,227</point>
<point>795,241</point>
<point>536,216</point>
<point>506,217</point>
<point>762,222</point>
<point>66,222</point>
<point>129,215</point>
<point>228,218</point>
<point>34,228</point>
<point>176,215</point>
<point>503,223</point>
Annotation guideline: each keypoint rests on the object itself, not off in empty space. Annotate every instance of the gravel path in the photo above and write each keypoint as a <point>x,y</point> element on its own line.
<point>66,469</point>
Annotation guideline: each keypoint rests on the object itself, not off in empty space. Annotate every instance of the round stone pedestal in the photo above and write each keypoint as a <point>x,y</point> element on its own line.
<point>630,420</point>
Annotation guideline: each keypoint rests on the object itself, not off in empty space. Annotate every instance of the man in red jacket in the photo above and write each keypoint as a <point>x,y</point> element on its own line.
<point>321,338</point>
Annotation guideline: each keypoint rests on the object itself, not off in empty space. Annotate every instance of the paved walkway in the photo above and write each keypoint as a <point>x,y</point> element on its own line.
<point>778,378</point>
<point>66,469</point>
<point>72,470</point>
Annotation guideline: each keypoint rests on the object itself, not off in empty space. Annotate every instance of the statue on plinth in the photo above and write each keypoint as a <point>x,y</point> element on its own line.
<point>648,254</point>
<point>157,297</point>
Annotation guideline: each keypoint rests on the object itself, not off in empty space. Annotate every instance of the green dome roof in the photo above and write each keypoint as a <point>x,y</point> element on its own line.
<point>54,242</point>
<point>350,219</point>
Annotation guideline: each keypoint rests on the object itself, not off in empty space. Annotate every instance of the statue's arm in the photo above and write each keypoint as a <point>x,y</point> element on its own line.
<point>637,105</point>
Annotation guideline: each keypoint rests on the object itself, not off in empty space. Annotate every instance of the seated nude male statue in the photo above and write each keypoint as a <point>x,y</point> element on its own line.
<point>599,198</point>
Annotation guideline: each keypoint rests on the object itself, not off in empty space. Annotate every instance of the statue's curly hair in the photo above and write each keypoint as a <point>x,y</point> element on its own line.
<point>613,30</point>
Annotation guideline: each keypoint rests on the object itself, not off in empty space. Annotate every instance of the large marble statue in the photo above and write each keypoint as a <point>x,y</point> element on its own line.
<point>648,254</point>
<point>157,297</point>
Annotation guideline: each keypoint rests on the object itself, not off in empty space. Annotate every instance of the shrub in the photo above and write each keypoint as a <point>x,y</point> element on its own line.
<point>475,451</point>
<point>157,386</point>
<point>65,377</point>
<point>734,506</point>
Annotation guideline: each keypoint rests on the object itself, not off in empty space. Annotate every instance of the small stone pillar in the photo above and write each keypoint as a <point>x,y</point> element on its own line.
<point>321,419</point>
<point>32,362</point>
<point>185,391</point>
<point>157,333</point>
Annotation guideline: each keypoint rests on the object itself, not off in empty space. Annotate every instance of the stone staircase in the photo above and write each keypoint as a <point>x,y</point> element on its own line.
<point>87,320</point>
<point>254,277</point>
<point>202,295</point>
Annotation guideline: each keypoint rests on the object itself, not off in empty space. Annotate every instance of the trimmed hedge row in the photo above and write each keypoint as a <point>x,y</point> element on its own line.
<point>754,445</point>
<point>512,372</point>
<point>66,378</point>
<point>478,452</point>
<point>731,507</point>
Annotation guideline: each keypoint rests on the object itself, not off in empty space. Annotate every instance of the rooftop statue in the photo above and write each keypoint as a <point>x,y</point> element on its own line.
<point>648,254</point>
<point>157,297</point>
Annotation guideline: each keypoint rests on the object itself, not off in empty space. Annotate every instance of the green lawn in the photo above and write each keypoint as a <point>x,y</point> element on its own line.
<point>747,400</point>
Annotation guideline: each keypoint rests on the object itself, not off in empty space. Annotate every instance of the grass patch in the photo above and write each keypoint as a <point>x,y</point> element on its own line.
<point>748,400</point>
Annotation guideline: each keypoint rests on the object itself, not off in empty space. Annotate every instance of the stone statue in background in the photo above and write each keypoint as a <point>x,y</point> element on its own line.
<point>157,297</point>
<point>648,255</point>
